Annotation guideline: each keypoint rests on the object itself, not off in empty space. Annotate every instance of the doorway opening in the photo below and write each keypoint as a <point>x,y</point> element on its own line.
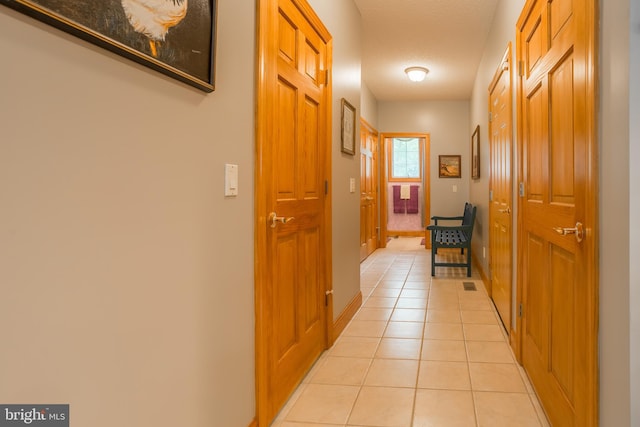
<point>405,188</point>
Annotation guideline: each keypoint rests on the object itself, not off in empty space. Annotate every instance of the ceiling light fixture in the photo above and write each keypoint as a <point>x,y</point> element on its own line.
<point>416,74</point>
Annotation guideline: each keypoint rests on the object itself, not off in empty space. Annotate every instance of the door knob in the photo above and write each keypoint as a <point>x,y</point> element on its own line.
<point>577,231</point>
<point>275,219</point>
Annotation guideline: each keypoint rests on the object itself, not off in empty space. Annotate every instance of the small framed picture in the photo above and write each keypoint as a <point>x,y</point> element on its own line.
<point>348,128</point>
<point>475,154</point>
<point>449,166</point>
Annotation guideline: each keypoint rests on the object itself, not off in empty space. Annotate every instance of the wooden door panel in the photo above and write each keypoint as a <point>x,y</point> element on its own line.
<point>311,288</point>
<point>287,37</point>
<point>536,294</point>
<point>559,14</point>
<point>293,223</point>
<point>307,160</point>
<point>284,295</point>
<point>285,141</point>
<point>500,207</point>
<point>559,296</point>
<point>563,313</point>
<point>561,144</point>
<point>535,141</point>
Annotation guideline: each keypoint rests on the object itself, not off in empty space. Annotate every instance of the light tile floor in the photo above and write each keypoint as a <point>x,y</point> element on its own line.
<point>420,352</point>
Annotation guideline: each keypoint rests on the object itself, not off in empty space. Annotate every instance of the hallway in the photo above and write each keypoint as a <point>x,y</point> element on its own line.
<point>420,352</point>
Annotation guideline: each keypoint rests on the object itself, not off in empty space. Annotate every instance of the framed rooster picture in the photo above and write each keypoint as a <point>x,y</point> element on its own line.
<point>174,37</point>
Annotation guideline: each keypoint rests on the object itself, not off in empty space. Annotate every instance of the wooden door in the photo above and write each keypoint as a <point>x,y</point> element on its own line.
<point>558,206</point>
<point>500,186</point>
<point>368,190</point>
<point>293,207</point>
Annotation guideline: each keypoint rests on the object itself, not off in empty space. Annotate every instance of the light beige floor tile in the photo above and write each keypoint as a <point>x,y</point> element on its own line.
<point>386,292</point>
<point>379,302</point>
<point>394,284</point>
<point>480,332</point>
<point>446,285</point>
<point>443,304</point>
<point>398,348</point>
<point>444,375</point>
<point>479,317</point>
<point>496,377</point>
<point>404,330</point>
<point>366,291</point>
<point>368,313</point>
<point>354,347</point>
<point>414,293</point>
<point>442,295</point>
<point>397,272</point>
<point>444,350</point>
<point>505,410</point>
<point>408,315</point>
<point>364,328</point>
<point>417,284</point>
<point>444,408</point>
<point>443,331</point>
<point>392,373</point>
<point>443,316</point>
<point>412,303</point>
<point>341,370</point>
<point>383,407</point>
<point>487,351</point>
<point>319,403</point>
<point>475,304</point>
<point>293,424</point>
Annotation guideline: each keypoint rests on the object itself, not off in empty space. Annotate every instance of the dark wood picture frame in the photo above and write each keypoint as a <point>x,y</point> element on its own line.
<point>183,49</point>
<point>348,128</point>
<point>449,166</point>
<point>475,153</point>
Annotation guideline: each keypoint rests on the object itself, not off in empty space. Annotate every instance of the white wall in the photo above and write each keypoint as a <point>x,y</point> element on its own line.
<point>615,181</point>
<point>634,207</point>
<point>369,105</point>
<point>126,277</point>
<point>447,123</point>
<point>342,19</point>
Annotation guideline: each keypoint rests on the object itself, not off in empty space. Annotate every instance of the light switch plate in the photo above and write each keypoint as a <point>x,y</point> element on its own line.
<point>230,180</point>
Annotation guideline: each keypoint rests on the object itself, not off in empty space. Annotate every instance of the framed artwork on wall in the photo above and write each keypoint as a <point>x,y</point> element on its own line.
<point>173,37</point>
<point>475,153</point>
<point>348,128</point>
<point>449,166</point>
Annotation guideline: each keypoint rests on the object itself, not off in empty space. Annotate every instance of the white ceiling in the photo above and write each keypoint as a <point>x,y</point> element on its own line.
<point>446,36</point>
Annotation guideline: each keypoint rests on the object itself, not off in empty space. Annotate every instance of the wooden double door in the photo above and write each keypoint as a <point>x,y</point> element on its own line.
<point>558,206</point>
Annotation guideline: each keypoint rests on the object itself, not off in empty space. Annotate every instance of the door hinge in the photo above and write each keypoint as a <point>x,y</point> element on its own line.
<point>521,189</point>
<point>323,77</point>
<point>326,186</point>
<point>520,310</point>
<point>490,116</point>
<point>491,195</point>
<point>521,68</point>
<point>326,297</point>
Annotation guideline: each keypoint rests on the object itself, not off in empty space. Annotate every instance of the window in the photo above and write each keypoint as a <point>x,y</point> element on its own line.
<point>405,159</point>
